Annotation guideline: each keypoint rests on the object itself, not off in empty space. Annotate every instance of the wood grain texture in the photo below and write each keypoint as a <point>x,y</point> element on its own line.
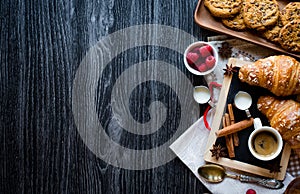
<point>42,44</point>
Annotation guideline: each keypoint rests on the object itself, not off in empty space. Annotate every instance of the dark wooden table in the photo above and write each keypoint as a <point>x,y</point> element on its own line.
<point>44,111</point>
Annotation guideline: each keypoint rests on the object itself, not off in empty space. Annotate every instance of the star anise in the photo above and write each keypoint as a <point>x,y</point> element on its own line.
<point>229,70</point>
<point>274,167</point>
<point>225,50</point>
<point>218,151</point>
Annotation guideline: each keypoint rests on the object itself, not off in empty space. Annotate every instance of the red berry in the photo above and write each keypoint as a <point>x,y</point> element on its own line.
<point>192,58</point>
<point>251,191</point>
<point>202,67</point>
<point>204,51</point>
<point>209,48</point>
<point>210,61</point>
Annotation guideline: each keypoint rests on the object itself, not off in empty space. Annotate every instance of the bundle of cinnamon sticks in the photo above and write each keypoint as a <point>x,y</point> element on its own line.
<point>230,129</point>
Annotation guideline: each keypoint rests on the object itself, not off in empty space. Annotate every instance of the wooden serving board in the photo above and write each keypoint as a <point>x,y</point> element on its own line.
<point>243,161</point>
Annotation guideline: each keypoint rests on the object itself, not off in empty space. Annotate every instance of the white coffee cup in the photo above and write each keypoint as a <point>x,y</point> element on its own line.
<point>265,143</point>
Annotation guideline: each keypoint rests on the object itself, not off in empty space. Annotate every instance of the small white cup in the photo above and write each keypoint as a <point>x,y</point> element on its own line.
<point>202,95</point>
<point>265,143</point>
<point>243,101</point>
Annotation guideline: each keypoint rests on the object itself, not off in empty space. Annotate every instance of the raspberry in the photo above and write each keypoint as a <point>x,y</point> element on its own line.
<point>210,61</point>
<point>209,48</point>
<point>192,58</point>
<point>251,191</point>
<point>202,67</point>
<point>204,51</point>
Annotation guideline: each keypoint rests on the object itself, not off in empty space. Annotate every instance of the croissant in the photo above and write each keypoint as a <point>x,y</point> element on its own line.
<point>280,74</point>
<point>284,116</point>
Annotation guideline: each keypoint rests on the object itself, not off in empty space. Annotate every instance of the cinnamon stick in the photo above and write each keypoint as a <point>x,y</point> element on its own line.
<point>231,115</point>
<point>224,121</point>
<point>230,146</point>
<point>227,119</point>
<point>235,127</point>
<point>229,138</point>
<point>236,140</point>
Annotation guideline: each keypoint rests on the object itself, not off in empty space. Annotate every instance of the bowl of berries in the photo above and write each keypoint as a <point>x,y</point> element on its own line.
<point>200,58</point>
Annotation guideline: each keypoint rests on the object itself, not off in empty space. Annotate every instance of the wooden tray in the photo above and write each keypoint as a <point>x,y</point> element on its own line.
<point>204,19</point>
<point>244,161</point>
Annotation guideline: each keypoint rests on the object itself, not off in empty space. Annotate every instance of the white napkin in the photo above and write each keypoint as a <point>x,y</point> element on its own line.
<point>190,147</point>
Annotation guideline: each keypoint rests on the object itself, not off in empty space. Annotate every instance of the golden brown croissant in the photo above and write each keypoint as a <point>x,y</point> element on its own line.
<point>284,115</point>
<point>280,74</point>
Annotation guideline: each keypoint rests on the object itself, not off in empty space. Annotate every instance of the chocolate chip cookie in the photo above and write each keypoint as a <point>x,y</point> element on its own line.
<point>223,8</point>
<point>259,14</point>
<point>290,12</point>
<point>237,22</point>
<point>272,33</point>
<point>289,36</point>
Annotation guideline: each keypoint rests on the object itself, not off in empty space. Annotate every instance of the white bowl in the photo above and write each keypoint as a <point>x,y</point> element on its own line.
<point>199,44</point>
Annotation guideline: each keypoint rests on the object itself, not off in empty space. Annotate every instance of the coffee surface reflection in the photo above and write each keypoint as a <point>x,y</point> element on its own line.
<point>265,143</point>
